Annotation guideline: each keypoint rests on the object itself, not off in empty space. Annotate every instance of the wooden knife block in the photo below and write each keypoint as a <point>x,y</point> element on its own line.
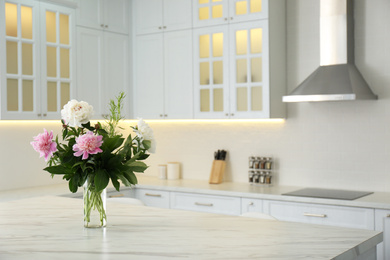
<point>217,171</point>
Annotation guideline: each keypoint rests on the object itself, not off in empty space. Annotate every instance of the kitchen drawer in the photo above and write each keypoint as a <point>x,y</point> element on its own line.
<point>153,198</point>
<point>206,203</point>
<point>351,217</point>
<point>125,192</point>
<point>382,223</point>
<point>251,205</point>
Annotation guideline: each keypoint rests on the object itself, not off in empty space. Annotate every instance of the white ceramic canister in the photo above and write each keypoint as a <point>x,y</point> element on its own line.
<point>173,170</point>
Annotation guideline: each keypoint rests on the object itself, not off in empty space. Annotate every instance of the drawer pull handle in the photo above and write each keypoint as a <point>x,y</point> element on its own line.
<point>251,203</point>
<point>388,215</point>
<point>116,196</point>
<point>204,204</point>
<point>153,195</point>
<point>315,215</point>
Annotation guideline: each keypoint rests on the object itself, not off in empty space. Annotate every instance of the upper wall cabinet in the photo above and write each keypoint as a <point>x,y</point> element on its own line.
<point>110,15</point>
<point>153,16</point>
<point>102,62</point>
<point>163,75</point>
<point>239,69</point>
<point>37,61</point>
<point>216,12</point>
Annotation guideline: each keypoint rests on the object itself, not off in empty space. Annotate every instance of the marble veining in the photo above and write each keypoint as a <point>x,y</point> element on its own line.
<point>51,227</point>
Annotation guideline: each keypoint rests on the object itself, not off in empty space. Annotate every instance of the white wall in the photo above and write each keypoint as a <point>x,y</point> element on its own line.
<point>342,145</point>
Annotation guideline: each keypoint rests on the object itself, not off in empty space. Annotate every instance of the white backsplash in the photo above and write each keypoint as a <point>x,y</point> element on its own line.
<point>343,145</point>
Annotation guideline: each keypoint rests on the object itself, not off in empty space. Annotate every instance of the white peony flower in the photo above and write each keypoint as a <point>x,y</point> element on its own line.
<point>145,132</point>
<point>76,113</point>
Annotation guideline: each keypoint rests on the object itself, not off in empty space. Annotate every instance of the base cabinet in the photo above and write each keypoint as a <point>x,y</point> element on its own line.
<point>382,223</point>
<point>206,203</point>
<point>153,198</point>
<point>349,217</point>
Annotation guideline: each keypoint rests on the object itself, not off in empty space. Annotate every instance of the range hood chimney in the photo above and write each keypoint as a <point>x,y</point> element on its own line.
<point>337,78</point>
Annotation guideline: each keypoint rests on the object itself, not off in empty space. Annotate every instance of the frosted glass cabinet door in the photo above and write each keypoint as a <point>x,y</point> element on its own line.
<point>210,12</point>
<point>57,29</point>
<point>249,80</point>
<point>246,10</point>
<point>211,86</point>
<point>19,79</point>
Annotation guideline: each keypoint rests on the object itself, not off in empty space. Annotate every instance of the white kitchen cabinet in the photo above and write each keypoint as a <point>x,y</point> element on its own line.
<point>382,223</point>
<point>251,205</point>
<point>153,198</point>
<point>37,64</point>
<point>103,69</point>
<point>109,15</point>
<point>153,16</point>
<point>163,75</point>
<point>218,12</point>
<point>206,203</point>
<point>350,217</point>
<point>233,73</point>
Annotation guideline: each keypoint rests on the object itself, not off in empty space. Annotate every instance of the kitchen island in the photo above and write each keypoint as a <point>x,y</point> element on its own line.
<point>51,227</point>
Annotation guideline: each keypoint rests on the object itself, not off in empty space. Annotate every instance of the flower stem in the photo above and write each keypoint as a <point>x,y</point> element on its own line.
<point>93,201</point>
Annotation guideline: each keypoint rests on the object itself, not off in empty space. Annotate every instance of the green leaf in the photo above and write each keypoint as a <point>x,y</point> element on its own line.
<point>143,156</point>
<point>147,144</point>
<point>124,180</point>
<point>58,169</point>
<point>73,182</point>
<point>101,179</point>
<point>114,179</point>
<point>111,143</point>
<point>137,166</point>
<point>130,176</point>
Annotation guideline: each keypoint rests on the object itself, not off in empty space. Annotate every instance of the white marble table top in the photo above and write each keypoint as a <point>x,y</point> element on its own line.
<point>51,227</point>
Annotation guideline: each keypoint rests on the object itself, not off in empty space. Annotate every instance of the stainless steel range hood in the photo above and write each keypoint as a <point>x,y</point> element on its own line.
<point>337,78</point>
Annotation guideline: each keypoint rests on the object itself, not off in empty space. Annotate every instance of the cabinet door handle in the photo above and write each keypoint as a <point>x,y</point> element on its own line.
<point>164,27</point>
<point>39,115</point>
<point>251,203</point>
<point>159,27</point>
<point>44,114</point>
<point>388,216</point>
<point>226,19</point>
<point>152,195</point>
<point>106,26</point>
<point>315,215</point>
<point>102,25</point>
<point>116,196</point>
<point>204,204</point>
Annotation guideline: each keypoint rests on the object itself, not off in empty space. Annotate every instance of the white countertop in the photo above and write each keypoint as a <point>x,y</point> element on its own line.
<point>51,227</point>
<point>379,200</point>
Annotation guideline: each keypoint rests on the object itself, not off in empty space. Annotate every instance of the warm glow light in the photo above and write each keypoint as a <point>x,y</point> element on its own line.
<point>162,121</point>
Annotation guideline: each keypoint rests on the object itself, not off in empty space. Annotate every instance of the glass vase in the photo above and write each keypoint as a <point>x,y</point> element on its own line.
<point>94,206</point>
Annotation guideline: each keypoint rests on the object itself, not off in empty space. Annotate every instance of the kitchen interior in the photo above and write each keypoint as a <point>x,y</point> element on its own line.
<point>336,145</point>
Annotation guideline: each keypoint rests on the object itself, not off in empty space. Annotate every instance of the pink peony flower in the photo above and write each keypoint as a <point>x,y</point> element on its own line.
<point>87,144</point>
<point>44,144</point>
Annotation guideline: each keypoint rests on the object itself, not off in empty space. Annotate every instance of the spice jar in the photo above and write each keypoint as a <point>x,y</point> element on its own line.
<point>251,162</point>
<point>268,178</point>
<point>268,163</point>
<point>250,176</point>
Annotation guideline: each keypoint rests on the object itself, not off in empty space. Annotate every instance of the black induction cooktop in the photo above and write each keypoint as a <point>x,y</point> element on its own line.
<point>328,193</point>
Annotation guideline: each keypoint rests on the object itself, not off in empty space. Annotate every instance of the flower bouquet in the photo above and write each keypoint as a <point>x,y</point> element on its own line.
<point>91,156</point>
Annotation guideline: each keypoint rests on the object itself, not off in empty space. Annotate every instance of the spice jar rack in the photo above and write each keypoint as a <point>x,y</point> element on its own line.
<point>260,170</point>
